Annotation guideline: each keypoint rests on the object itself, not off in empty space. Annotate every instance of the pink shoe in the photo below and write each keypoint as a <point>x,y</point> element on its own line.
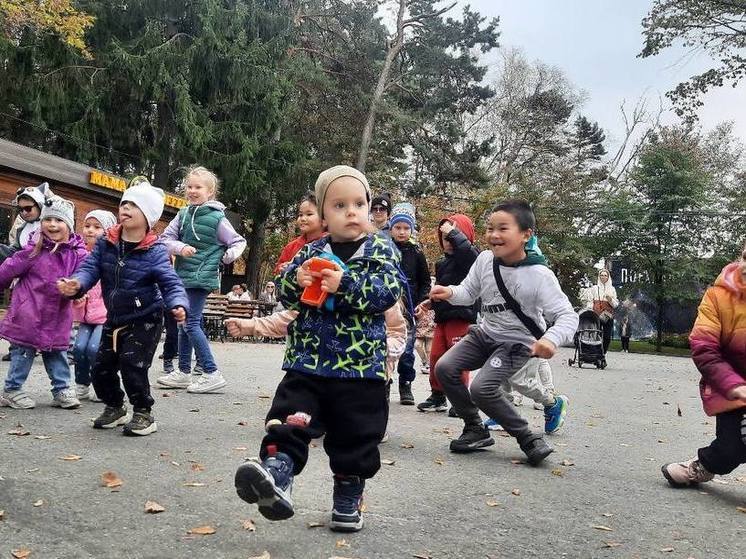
<point>685,474</point>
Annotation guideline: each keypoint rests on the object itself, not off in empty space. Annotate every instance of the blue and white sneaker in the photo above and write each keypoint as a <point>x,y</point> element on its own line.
<point>492,424</point>
<point>269,484</point>
<point>554,416</point>
<point>347,514</point>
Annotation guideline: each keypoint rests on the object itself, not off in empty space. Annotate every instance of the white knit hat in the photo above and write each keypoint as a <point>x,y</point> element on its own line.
<point>330,175</point>
<point>148,198</point>
<point>106,219</point>
<point>37,193</point>
<point>62,209</point>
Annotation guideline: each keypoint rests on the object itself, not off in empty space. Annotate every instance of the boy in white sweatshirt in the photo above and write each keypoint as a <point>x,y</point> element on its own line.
<point>512,331</point>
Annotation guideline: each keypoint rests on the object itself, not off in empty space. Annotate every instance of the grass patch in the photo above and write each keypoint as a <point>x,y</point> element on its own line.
<point>645,347</point>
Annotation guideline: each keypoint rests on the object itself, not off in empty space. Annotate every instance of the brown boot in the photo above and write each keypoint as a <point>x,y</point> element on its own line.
<point>685,474</point>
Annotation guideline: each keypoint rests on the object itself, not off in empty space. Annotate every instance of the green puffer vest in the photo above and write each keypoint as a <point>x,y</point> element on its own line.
<point>198,227</point>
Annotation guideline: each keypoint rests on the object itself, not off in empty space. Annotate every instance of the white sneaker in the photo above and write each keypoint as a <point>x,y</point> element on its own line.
<point>175,379</point>
<point>93,397</point>
<point>66,399</point>
<point>207,383</point>
<point>82,391</point>
<point>16,399</point>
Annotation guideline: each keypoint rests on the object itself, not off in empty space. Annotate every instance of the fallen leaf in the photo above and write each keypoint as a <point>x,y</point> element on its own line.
<point>264,396</point>
<point>612,544</point>
<point>387,462</point>
<point>153,508</point>
<point>667,549</point>
<point>558,472</point>
<point>678,410</point>
<point>202,531</point>
<point>243,423</point>
<point>342,543</point>
<point>264,555</point>
<point>661,440</point>
<point>19,431</point>
<point>71,458</point>
<point>166,394</point>
<point>741,509</point>
<point>406,445</point>
<point>194,410</point>
<point>315,525</point>
<point>567,462</point>
<point>516,461</point>
<point>439,461</point>
<point>364,507</point>
<point>197,467</point>
<point>42,437</point>
<point>602,527</point>
<point>21,553</point>
<point>111,480</point>
<point>165,454</point>
<point>492,504</point>
<point>607,514</point>
<point>240,448</point>
<point>32,470</point>
<point>249,525</point>
<point>2,515</point>
<point>174,463</point>
<point>39,503</point>
<point>194,484</point>
<point>422,556</point>
<point>238,403</point>
<point>516,492</point>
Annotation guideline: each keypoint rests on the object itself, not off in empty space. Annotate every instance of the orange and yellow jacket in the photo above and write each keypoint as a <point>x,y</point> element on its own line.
<point>718,341</point>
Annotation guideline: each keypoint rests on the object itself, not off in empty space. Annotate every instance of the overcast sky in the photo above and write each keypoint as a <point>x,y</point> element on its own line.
<point>596,42</point>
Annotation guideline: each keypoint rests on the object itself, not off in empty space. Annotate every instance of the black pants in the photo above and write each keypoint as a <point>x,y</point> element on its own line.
<point>625,343</point>
<point>352,412</point>
<point>728,450</point>
<point>171,343</point>
<point>132,354</point>
<point>608,328</point>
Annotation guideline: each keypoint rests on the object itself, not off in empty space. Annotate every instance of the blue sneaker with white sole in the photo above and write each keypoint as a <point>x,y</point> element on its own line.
<point>269,484</point>
<point>554,416</point>
<point>492,424</point>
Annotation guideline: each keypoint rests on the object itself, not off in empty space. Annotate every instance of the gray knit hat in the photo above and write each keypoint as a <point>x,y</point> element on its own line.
<point>330,175</point>
<point>56,206</point>
<point>106,219</point>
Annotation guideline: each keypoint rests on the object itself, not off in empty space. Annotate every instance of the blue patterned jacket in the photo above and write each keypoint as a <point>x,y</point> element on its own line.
<point>350,341</point>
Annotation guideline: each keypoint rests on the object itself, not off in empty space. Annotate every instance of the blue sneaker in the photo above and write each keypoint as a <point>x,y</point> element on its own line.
<point>347,515</point>
<point>492,424</point>
<point>268,484</point>
<point>554,416</point>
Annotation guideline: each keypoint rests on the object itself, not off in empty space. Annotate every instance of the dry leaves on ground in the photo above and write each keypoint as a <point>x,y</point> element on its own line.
<point>516,492</point>
<point>71,458</point>
<point>21,553</point>
<point>741,509</point>
<point>111,480</point>
<point>439,461</point>
<point>153,508</point>
<point>202,531</point>
<point>558,472</point>
<point>19,431</point>
<point>249,525</point>
<point>492,504</point>
<point>197,467</point>
<point>342,543</point>
<point>39,503</point>
<point>602,528</point>
<point>406,445</point>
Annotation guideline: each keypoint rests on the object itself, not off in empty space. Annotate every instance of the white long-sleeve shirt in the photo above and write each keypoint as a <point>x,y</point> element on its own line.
<point>534,287</point>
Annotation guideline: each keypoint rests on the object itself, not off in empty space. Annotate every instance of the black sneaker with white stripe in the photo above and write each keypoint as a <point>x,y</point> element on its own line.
<point>473,438</point>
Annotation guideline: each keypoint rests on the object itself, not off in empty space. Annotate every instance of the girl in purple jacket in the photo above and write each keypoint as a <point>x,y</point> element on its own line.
<point>39,318</point>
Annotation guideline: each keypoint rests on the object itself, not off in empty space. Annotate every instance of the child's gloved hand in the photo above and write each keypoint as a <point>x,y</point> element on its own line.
<point>440,293</point>
<point>179,314</point>
<point>330,280</point>
<point>238,328</point>
<point>543,348</point>
<point>188,251</point>
<point>737,393</point>
<point>68,287</point>
<point>304,275</point>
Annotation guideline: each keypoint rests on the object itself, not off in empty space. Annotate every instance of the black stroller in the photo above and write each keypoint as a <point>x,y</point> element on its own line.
<point>588,340</point>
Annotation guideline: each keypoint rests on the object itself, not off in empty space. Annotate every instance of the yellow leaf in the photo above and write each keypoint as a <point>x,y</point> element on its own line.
<point>21,553</point>
<point>202,531</point>
<point>194,484</point>
<point>439,461</point>
<point>153,508</point>
<point>111,480</point>
<point>342,543</point>
<point>39,503</point>
<point>602,528</point>
<point>196,467</point>
<point>558,472</point>
<point>315,525</point>
<point>493,504</point>
<point>249,525</point>
<point>71,458</point>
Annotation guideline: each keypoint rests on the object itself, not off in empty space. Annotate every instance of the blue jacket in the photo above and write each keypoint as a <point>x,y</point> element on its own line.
<point>350,341</point>
<point>132,283</point>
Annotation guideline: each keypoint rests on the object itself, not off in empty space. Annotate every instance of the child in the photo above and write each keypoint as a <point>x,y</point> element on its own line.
<point>456,237</point>
<point>39,318</point>
<point>517,291</point>
<point>309,225</point>
<point>718,342</point>
<point>201,237</point>
<point>625,332</point>
<point>335,382</point>
<point>89,311</point>
<point>136,275</point>
<point>414,265</point>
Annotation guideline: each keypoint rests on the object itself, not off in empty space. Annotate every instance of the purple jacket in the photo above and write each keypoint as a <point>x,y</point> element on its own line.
<point>39,316</point>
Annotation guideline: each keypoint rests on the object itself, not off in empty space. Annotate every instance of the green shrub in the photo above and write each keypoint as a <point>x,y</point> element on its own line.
<point>672,340</point>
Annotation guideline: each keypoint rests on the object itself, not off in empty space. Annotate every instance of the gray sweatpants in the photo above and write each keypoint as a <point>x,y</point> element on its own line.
<point>499,361</point>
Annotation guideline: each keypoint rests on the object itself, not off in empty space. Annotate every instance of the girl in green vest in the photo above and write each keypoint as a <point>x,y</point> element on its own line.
<point>200,236</point>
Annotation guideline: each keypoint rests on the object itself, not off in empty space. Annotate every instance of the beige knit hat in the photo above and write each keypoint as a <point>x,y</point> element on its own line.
<point>329,176</point>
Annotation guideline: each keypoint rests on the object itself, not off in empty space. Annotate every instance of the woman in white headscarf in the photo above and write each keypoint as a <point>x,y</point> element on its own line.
<point>602,299</point>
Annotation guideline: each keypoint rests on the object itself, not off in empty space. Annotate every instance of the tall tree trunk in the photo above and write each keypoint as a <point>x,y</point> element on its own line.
<point>255,244</point>
<point>394,49</point>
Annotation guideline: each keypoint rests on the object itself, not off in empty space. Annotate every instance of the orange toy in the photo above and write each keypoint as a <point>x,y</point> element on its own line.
<point>313,295</point>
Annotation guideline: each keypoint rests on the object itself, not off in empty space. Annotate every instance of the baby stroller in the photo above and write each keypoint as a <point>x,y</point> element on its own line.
<point>588,341</point>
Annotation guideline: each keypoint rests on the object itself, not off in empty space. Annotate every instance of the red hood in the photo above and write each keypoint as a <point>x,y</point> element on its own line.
<point>463,223</point>
<point>114,233</point>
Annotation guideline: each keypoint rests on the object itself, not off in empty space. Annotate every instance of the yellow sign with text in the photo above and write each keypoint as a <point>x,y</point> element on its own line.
<point>117,183</point>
